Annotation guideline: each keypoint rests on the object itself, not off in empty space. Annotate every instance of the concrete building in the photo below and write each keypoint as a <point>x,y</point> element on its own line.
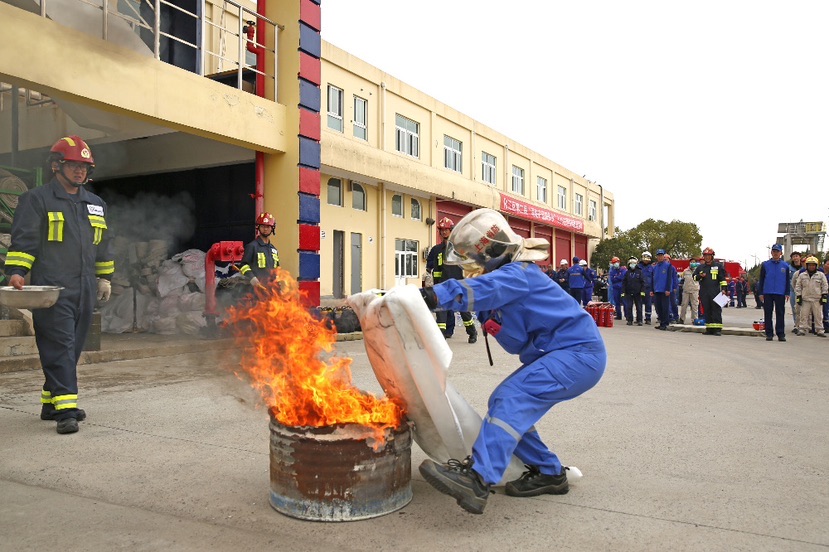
<point>227,109</point>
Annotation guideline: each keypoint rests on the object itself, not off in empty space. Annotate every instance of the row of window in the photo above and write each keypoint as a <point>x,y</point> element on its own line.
<point>358,199</point>
<point>407,141</point>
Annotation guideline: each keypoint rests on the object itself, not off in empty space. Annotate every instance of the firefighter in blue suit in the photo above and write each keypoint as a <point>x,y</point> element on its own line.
<point>59,235</point>
<point>561,352</point>
<point>664,279</point>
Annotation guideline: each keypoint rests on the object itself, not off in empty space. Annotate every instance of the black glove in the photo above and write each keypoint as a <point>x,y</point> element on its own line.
<point>429,297</point>
<point>799,300</point>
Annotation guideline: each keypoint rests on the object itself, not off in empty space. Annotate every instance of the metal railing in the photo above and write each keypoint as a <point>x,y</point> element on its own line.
<point>215,44</point>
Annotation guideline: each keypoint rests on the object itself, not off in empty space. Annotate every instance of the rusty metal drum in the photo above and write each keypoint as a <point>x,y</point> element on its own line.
<point>335,474</point>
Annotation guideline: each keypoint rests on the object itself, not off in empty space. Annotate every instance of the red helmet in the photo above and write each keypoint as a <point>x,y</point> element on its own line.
<point>266,219</point>
<point>708,251</point>
<point>445,223</point>
<point>614,260</point>
<point>71,148</point>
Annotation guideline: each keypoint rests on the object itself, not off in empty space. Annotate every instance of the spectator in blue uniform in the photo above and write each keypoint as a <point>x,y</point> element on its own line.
<point>616,276</point>
<point>675,294</point>
<point>589,282</point>
<point>663,287</point>
<point>775,275</point>
<point>647,279</point>
<point>576,280</point>
<point>561,352</point>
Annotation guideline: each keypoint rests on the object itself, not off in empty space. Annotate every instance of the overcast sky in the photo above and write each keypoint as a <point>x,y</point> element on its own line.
<point>712,112</point>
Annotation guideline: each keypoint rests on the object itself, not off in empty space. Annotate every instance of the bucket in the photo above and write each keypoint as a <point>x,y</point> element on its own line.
<point>335,474</point>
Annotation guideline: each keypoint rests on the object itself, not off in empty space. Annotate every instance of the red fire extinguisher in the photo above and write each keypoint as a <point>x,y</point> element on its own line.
<point>611,314</point>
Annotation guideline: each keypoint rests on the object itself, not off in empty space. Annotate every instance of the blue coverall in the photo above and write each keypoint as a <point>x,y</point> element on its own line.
<point>617,276</point>
<point>560,348</point>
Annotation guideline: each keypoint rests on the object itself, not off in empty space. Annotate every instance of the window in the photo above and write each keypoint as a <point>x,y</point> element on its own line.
<point>405,258</point>
<point>408,136</point>
<point>578,205</point>
<point>415,209</point>
<point>518,180</point>
<point>562,198</point>
<point>358,197</point>
<point>335,108</point>
<point>488,168</point>
<point>397,205</point>
<point>360,118</point>
<point>452,153</point>
<point>541,184</point>
<point>335,192</point>
<point>591,213</point>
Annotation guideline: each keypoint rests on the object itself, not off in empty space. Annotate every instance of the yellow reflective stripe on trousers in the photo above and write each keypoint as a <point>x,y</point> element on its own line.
<point>503,425</point>
<point>713,325</point>
<point>104,267</point>
<point>63,402</point>
<point>45,397</point>
<point>55,226</point>
<point>470,322</point>
<point>18,258</point>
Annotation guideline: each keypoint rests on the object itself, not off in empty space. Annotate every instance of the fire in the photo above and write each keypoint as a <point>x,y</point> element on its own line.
<point>283,346</point>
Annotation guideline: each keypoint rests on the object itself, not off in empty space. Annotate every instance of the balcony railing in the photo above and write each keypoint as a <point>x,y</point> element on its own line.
<point>210,39</point>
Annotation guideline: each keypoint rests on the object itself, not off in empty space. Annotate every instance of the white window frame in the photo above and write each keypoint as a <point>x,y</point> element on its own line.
<point>578,204</point>
<point>407,136</point>
<point>518,180</point>
<point>541,189</point>
<point>416,210</point>
<point>335,108</point>
<point>397,205</point>
<point>406,259</point>
<point>452,153</point>
<point>592,209</point>
<point>338,184</point>
<point>562,198</point>
<point>489,168</point>
<point>360,118</point>
<point>357,191</point>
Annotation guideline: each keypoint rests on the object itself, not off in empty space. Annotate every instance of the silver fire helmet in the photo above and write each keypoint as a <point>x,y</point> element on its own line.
<point>484,234</point>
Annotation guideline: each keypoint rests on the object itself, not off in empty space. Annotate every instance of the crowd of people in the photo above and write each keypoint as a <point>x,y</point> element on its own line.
<point>641,287</point>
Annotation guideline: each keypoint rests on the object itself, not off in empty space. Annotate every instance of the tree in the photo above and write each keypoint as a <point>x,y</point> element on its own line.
<point>680,239</point>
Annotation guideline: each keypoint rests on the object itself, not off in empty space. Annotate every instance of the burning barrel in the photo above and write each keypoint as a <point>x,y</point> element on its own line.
<point>339,473</point>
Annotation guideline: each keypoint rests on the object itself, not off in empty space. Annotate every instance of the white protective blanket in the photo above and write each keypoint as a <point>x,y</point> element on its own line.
<point>411,360</point>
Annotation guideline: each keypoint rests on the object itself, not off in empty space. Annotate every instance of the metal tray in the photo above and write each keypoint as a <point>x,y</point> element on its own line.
<point>30,297</point>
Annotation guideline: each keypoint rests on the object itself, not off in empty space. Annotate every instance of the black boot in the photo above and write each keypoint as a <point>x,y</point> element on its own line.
<point>67,425</point>
<point>535,483</point>
<point>48,412</point>
<point>457,479</point>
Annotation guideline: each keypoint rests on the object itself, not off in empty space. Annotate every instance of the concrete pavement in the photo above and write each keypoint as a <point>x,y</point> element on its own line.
<point>688,443</point>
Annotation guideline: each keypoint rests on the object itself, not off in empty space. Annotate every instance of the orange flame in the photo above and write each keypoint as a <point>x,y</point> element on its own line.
<point>282,346</point>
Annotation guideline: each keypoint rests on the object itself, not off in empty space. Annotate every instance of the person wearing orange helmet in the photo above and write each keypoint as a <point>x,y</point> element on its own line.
<point>441,272</point>
<point>711,277</point>
<point>59,237</point>
<point>260,256</point>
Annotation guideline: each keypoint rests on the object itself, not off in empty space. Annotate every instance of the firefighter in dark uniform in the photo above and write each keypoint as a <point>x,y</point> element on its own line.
<point>59,235</point>
<point>711,277</point>
<point>442,272</point>
<point>261,257</point>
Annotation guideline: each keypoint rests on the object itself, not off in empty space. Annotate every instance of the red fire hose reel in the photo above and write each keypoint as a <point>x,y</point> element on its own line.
<point>223,252</point>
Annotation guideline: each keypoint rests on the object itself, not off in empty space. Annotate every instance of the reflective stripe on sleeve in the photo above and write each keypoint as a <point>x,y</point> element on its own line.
<point>18,258</point>
<point>104,268</point>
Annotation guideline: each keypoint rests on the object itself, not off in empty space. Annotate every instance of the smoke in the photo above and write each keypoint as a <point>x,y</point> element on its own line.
<point>150,216</point>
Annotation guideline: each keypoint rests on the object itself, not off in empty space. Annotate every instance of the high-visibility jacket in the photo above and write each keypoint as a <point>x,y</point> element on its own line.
<point>59,237</point>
